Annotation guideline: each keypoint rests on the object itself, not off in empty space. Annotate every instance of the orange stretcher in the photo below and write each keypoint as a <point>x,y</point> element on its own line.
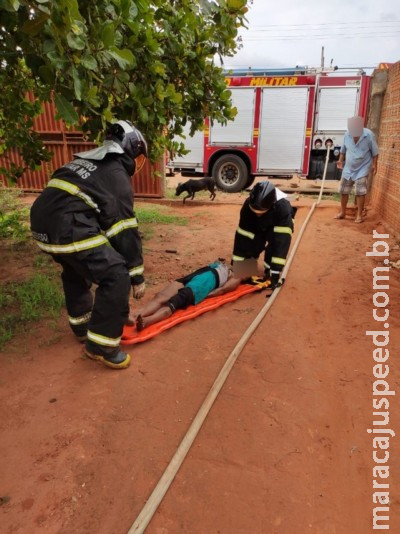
<point>130,335</point>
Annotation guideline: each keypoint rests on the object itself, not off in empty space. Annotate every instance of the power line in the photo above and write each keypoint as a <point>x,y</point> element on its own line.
<point>324,24</point>
<point>322,29</point>
<point>319,36</point>
<point>245,66</point>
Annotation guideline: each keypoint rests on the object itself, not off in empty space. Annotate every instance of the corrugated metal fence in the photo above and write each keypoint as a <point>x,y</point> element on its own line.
<point>63,143</point>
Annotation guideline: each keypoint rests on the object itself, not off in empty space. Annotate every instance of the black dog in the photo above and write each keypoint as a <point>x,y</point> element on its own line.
<point>192,186</point>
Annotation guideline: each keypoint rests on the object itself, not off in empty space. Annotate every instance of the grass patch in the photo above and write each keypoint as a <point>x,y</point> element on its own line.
<point>38,297</point>
<point>32,298</point>
<point>157,215</point>
<point>41,296</point>
<point>37,293</point>
<point>14,217</point>
<point>170,193</point>
<point>150,218</point>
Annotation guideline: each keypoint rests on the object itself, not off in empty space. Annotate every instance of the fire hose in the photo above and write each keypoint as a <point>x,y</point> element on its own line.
<point>149,509</point>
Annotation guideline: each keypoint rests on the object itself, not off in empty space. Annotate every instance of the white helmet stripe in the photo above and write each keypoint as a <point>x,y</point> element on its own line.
<point>140,136</point>
<point>126,126</point>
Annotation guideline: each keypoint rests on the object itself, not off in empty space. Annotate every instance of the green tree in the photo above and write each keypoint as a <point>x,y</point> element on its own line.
<point>148,60</point>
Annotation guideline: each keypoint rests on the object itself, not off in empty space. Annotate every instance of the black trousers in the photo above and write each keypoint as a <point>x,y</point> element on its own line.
<point>103,316</point>
<point>264,242</point>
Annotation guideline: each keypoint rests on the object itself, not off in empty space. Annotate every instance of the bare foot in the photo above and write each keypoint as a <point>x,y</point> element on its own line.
<point>359,220</point>
<point>339,216</point>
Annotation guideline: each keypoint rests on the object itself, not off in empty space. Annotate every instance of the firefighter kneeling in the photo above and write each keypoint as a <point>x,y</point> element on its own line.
<point>84,218</point>
<point>266,223</point>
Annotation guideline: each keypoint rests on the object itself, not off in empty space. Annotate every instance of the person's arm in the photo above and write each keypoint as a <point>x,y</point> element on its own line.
<point>243,245</point>
<point>229,286</point>
<point>282,238</point>
<point>340,161</point>
<point>121,228</point>
<point>342,155</point>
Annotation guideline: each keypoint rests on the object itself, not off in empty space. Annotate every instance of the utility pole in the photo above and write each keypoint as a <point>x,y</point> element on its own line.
<point>322,59</point>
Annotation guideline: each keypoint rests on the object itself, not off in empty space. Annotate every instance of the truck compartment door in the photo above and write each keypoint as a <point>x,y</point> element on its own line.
<point>240,130</point>
<point>335,105</point>
<point>195,158</point>
<point>282,129</point>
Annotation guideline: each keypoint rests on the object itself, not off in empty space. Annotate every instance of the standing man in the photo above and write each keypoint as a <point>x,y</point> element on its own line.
<point>265,224</point>
<point>359,153</point>
<point>84,219</point>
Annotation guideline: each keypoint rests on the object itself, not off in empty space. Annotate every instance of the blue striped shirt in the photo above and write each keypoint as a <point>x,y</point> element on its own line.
<point>358,155</point>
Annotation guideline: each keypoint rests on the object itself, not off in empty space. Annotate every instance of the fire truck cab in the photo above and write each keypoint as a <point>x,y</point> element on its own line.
<point>284,123</point>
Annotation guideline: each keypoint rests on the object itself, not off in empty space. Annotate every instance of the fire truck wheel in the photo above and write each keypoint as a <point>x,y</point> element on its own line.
<point>230,173</point>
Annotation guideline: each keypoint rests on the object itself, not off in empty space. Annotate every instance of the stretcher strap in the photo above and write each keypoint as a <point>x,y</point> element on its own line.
<point>131,336</point>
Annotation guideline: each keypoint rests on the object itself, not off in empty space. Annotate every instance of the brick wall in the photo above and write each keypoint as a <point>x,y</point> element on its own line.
<point>385,190</point>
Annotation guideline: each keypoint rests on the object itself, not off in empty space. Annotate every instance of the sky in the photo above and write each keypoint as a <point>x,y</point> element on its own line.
<point>286,33</point>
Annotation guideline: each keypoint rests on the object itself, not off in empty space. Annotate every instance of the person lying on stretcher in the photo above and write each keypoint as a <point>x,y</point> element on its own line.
<point>211,281</point>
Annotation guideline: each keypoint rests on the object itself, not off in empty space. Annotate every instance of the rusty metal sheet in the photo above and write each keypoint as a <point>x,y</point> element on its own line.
<point>63,143</point>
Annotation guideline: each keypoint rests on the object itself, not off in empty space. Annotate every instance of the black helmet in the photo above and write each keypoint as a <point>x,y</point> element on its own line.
<point>263,196</point>
<point>129,138</point>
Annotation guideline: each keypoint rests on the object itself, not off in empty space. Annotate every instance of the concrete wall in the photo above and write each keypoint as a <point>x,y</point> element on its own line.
<point>384,121</point>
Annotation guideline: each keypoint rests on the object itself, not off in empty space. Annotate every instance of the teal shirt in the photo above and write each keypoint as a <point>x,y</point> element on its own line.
<point>202,284</point>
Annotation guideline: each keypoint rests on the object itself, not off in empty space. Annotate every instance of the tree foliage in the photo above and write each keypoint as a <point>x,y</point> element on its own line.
<point>151,61</point>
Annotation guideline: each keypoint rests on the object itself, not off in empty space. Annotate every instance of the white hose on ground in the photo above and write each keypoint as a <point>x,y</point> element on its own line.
<point>328,149</point>
<point>149,509</point>
<point>302,230</point>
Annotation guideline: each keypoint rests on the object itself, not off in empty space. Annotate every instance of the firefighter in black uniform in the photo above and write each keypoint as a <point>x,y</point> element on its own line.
<point>266,223</point>
<point>84,218</point>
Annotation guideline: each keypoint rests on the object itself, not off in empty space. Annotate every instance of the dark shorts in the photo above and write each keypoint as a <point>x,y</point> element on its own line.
<point>181,300</point>
<point>201,283</point>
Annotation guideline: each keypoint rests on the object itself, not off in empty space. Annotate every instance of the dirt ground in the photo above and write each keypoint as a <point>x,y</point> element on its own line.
<point>285,448</point>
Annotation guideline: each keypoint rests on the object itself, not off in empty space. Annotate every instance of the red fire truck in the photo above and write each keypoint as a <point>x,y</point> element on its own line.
<point>283,126</point>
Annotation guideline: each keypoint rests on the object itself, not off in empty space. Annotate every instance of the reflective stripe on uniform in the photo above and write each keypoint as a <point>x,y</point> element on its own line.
<point>103,340</point>
<point>120,226</point>
<point>85,244</point>
<point>278,261</point>
<point>245,233</point>
<point>283,230</point>
<point>238,258</point>
<point>80,320</point>
<point>73,190</point>
<point>136,270</point>
<point>266,265</point>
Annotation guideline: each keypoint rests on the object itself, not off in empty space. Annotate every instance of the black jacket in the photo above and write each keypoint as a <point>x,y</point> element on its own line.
<point>275,226</point>
<point>88,203</point>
